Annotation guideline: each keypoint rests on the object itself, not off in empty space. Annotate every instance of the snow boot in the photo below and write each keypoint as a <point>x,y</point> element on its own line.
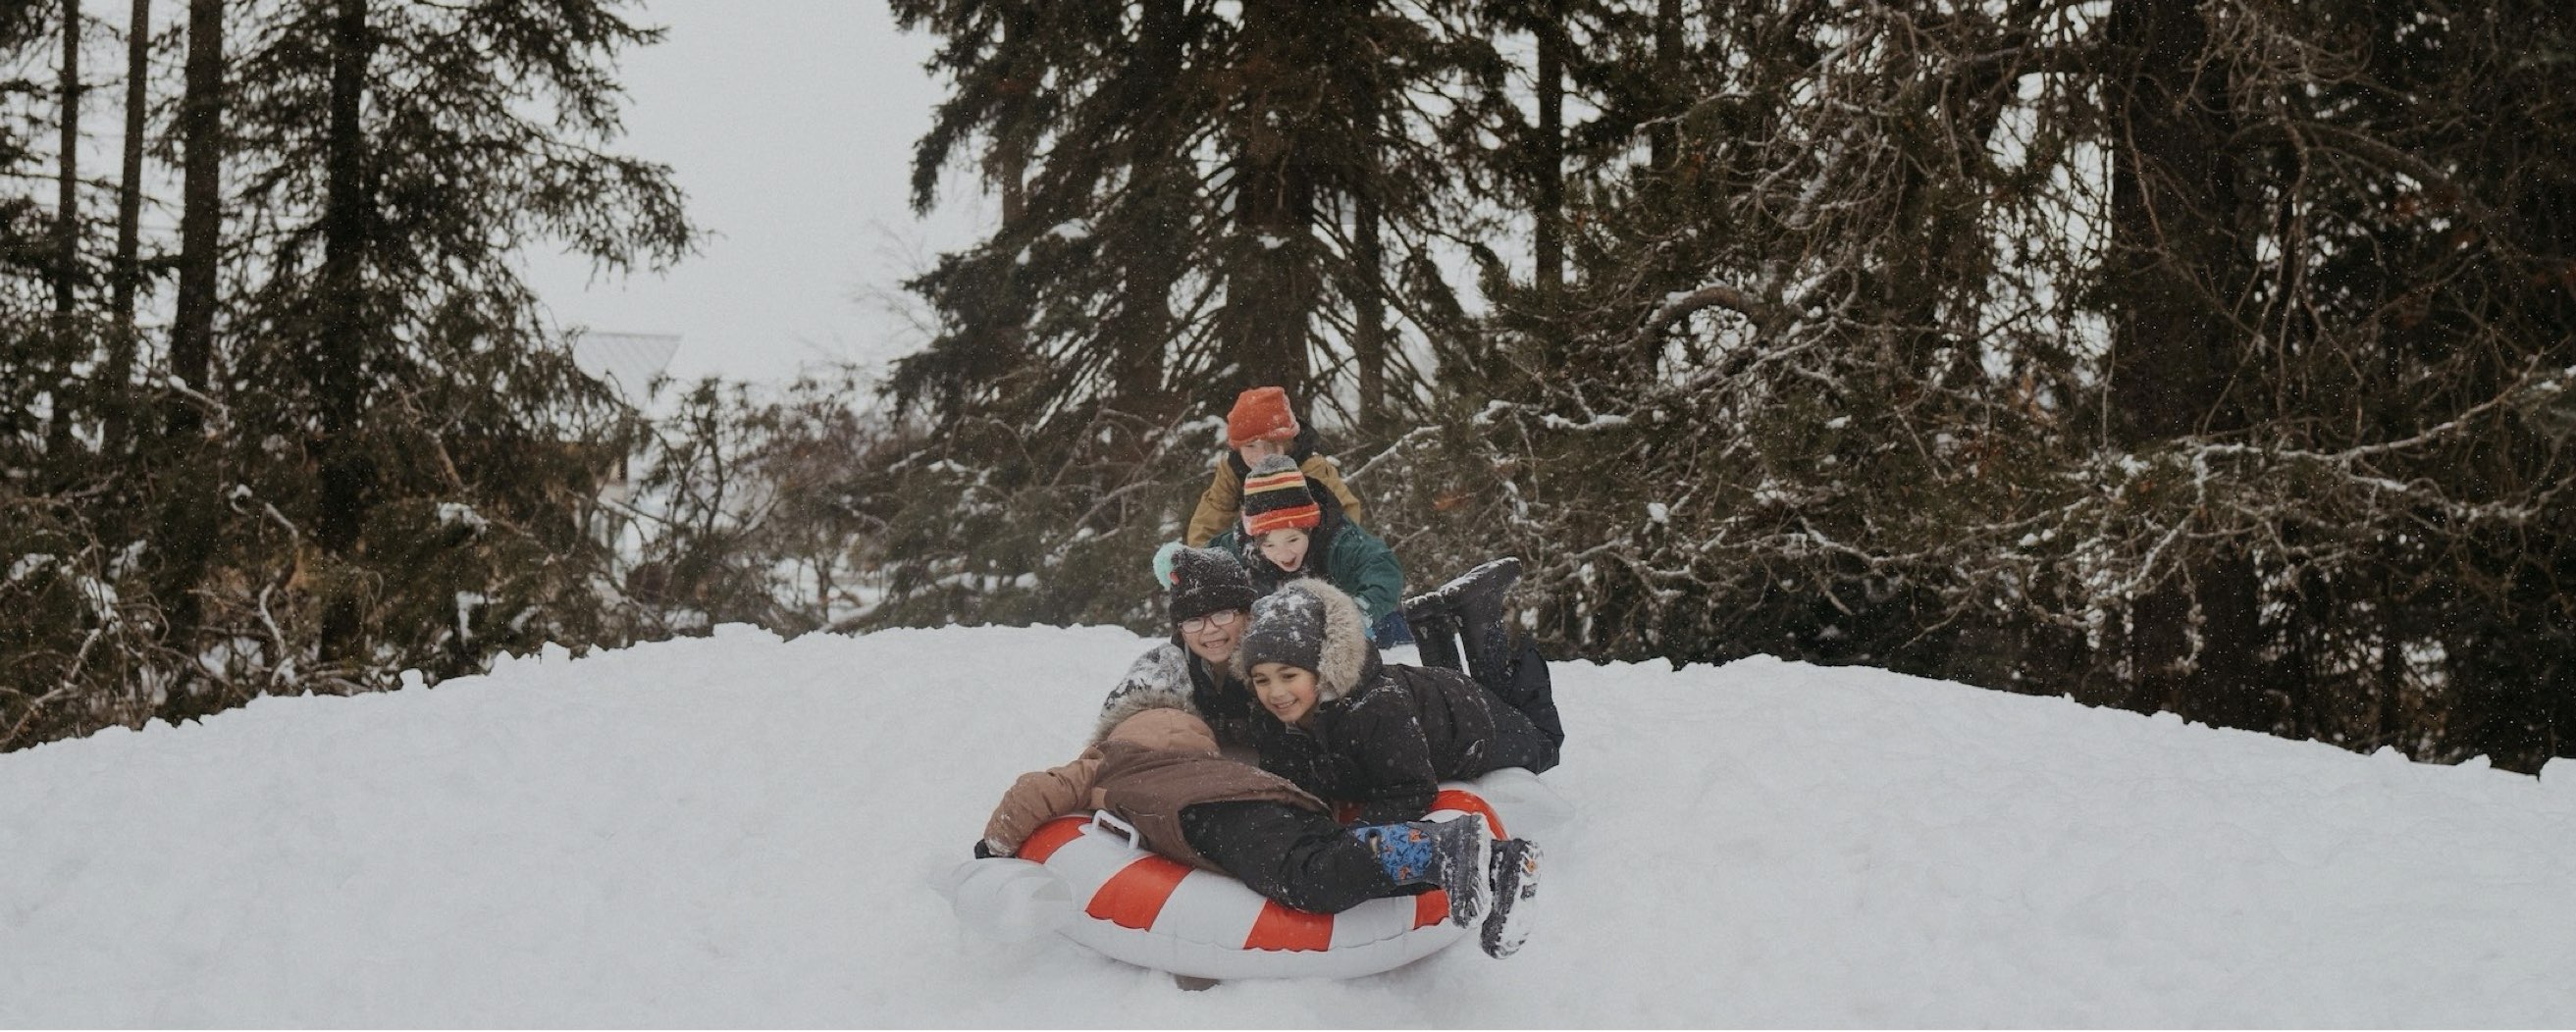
<point>1454,855</point>
<point>1435,634</point>
<point>1471,607</point>
<point>1515,874</point>
<point>1481,631</point>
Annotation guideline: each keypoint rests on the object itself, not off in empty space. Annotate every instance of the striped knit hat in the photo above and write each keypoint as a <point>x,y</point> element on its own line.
<point>1275,498</point>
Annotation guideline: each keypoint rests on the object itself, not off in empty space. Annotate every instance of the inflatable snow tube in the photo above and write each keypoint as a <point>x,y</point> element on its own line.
<point>1150,911</point>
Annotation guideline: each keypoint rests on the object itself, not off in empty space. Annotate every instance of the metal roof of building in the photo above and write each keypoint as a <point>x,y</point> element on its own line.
<point>627,361</point>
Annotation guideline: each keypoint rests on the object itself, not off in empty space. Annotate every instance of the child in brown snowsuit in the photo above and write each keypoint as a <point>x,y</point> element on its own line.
<point>1159,771</point>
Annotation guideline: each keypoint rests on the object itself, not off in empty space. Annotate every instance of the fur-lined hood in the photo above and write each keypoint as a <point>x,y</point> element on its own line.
<point>1312,624</point>
<point>1159,679</point>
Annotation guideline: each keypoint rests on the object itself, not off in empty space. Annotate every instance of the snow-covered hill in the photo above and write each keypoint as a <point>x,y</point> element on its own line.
<point>739,831</point>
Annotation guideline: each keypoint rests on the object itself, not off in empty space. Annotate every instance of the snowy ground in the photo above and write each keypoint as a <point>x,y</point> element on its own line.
<point>735,831</point>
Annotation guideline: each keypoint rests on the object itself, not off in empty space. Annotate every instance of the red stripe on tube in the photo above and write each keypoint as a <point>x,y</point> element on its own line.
<point>1280,928</point>
<point>1469,802</point>
<point>1134,896</point>
<point>1050,837</point>
<point>1430,908</point>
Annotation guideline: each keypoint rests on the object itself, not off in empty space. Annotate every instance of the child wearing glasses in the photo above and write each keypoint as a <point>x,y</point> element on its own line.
<point>1210,602</point>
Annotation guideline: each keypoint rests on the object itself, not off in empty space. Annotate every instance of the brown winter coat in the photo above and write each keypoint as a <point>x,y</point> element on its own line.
<point>1150,767</point>
<point>1221,505</point>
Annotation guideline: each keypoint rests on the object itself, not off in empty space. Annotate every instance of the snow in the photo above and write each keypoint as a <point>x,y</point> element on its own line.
<point>27,564</point>
<point>100,596</point>
<point>736,830</point>
<point>466,603</point>
<point>458,514</point>
<point>1597,422</point>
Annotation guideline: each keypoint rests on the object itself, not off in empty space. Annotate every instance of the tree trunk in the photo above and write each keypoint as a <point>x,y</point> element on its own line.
<point>1144,330</point>
<point>201,116</point>
<point>1664,140</point>
<point>1270,292</point>
<point>339,357</point>
<point>1547,157</point>
<point>1271,286</point>
<point>187,524</point>
<point>1368,258</point>
<point>66,341</point>
<point>1009,164</point>
<point>2172,194</point>
<point>127,277</point>
<point>67,203</point>
<point>2178,263</point>
<point>1368,316</point>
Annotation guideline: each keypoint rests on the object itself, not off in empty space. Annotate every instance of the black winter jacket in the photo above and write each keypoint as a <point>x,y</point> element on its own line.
<point>1388,746</point>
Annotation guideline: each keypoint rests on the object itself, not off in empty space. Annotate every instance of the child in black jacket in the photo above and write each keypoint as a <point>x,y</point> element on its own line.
<point>1349,727</point>
<point>1353,729</point>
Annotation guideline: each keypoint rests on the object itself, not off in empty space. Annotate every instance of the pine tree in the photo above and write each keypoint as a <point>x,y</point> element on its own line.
<point>1208,202</point>
<point>405,360</point>
<point>2245,446</point>
<point>360,450</point>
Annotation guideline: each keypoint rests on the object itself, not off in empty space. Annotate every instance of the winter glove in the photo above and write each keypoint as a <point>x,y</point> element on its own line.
<point>984,850</point>
<point>1163,563</point>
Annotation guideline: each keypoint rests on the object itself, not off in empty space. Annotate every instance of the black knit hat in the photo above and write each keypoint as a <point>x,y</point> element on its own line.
<point>1204,580</point>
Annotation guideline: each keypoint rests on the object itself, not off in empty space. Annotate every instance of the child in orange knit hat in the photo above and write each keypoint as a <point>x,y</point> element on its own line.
<point>1261,425</point>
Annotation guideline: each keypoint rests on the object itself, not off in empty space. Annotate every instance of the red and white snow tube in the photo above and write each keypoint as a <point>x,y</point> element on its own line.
<point>1155,912</point>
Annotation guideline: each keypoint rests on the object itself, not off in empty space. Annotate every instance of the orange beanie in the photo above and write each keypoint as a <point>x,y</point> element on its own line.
<point>1260,413</point>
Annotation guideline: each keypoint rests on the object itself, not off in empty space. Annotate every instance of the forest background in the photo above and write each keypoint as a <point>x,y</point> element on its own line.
<point>2214,358</point>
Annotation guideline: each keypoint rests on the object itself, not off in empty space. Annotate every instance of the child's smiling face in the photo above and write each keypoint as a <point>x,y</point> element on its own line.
<point>1216,634</point>
<point>1286,549</point>
<point>1287,691</point>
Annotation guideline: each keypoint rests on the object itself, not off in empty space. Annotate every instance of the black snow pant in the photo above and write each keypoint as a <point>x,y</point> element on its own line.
<point>1527,687</point>
<point>1288,853</point>
<point>1519,738</point>
<point>1471,608</point>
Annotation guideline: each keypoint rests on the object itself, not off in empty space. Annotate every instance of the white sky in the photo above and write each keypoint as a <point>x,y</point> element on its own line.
<point>790,124</point>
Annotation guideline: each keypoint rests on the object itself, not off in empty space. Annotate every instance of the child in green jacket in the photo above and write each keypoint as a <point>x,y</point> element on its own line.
<point>1290,531</point>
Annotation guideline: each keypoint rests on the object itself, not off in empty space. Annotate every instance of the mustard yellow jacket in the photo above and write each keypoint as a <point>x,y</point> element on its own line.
<point>1221,505</point>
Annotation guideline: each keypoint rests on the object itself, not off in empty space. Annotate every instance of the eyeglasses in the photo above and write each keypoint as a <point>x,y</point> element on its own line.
<point>1225,618</point>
